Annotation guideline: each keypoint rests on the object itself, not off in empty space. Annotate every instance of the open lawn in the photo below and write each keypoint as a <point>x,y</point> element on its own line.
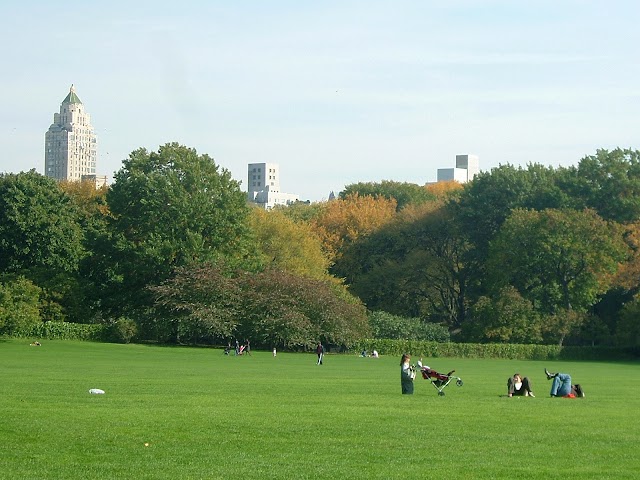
<point>194,413</point>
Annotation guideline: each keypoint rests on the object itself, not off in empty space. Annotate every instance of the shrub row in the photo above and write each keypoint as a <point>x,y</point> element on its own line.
<point>493,350</point>
<point>121,331</point>
<point>62,331</point>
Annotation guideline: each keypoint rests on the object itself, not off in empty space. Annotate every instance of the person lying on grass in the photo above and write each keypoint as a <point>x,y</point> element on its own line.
<point>562,387</point>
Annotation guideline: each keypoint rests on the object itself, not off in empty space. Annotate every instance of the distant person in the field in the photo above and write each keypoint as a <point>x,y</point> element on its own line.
<point>320,353</point>
<point>519,386</point>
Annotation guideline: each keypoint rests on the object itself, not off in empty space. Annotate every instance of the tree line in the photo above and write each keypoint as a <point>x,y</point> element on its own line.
<point>173,251</point>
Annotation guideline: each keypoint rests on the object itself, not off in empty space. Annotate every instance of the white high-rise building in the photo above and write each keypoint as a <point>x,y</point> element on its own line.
<point>467,167</point>
<point>70,143</point>
<point>263,186</point>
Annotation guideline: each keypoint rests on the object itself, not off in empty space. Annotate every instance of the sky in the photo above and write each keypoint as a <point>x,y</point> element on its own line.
<point>336,92</point>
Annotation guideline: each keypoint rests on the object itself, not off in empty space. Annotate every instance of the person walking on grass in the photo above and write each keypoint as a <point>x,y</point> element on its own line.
<point>320,353</point>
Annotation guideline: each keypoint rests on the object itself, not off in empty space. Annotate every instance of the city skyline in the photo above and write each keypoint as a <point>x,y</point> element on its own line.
<point>335,92</point>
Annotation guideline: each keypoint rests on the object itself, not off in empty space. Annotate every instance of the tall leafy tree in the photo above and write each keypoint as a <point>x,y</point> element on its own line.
<point>39,226</point>
<point>504,317</point>
<point>41,238</point>
<point>487,201</point>
<point>171,208</point>
<point>412,267</point>
<point>609,182</point>
<point>557,259</point>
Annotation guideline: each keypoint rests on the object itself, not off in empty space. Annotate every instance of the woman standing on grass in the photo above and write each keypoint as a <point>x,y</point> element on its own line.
<point>407,374</point>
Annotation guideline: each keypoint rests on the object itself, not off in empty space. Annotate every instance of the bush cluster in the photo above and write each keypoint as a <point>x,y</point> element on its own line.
<point>493,350</point>
<point>62,331</point>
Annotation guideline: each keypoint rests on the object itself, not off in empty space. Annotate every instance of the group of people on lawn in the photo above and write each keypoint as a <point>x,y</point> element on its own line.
<point>240,349</point>
<point>517,385</point>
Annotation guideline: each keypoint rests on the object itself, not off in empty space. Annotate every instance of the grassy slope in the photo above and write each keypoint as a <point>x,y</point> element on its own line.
<point>205,415</point>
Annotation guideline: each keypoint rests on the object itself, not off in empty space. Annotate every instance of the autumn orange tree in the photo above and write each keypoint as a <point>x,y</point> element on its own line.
<point>628,276</point>
<point>343,221</point>
<point>444,189</point>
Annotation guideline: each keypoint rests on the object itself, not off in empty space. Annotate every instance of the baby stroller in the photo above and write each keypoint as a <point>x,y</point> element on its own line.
<point>438,380</point>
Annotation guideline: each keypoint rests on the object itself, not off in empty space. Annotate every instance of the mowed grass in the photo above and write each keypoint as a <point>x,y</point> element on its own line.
<point>205,415</point>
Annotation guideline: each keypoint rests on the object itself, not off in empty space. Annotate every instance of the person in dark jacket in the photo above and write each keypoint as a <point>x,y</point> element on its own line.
<point>320,353</point>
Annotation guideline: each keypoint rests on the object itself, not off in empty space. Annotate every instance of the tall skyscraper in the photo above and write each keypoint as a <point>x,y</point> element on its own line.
<point>70,142</point>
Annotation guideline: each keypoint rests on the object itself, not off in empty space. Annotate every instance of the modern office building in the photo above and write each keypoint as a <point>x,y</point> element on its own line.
<point>467,167</point>
<point>70,143</point>
<point>263,186</point>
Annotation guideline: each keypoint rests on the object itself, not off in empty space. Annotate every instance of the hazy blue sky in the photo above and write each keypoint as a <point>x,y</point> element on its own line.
<point>336,92</point>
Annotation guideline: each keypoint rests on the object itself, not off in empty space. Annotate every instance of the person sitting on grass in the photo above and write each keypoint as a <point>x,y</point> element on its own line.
<point>519,386</point>
<point>561,385</point>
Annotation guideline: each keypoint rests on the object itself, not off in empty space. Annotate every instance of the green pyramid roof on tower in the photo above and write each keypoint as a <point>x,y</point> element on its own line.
<point>72,97</point>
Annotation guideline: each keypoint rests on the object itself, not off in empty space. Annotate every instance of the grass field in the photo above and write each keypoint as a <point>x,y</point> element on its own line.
<point>194,413</point>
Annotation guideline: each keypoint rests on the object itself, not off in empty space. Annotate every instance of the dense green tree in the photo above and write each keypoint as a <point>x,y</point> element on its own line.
<point>609,182</point>
<point>170,208</point>
<point>412,267</point>
<point>84,298</point>
<point>560,260</point>
<point>487,201</point>
<point>403,193</point>
<point>42,239</point>
<point>19,305</point>
<point>628,333</point>
<point>39,226</point>
<point>506,317</point>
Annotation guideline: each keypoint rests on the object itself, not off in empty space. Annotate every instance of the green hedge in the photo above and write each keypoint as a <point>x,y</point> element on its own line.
<point>62,331</point>
<point>493,350</point>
